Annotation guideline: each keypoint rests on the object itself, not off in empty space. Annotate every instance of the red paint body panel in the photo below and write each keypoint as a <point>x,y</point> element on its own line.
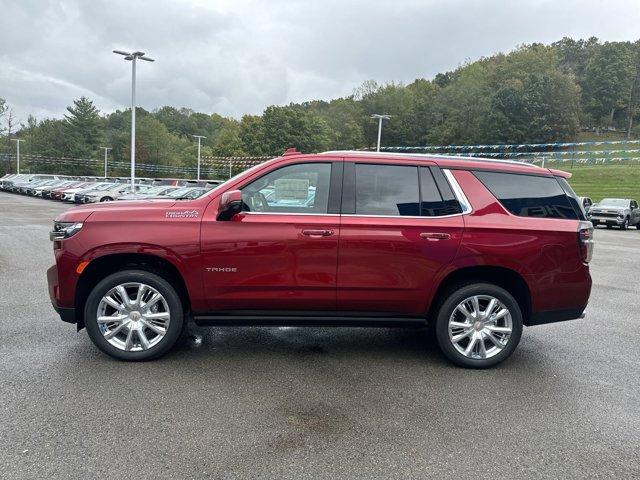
<point>276,267</point>
<point>384,265</point>
<point>367,264</point>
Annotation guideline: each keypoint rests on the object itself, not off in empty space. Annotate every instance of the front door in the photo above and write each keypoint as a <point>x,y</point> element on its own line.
<point>280,253</point>
<point>400,225</point>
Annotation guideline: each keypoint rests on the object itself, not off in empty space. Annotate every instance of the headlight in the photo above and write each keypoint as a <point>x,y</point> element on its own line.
<point>62,230</point>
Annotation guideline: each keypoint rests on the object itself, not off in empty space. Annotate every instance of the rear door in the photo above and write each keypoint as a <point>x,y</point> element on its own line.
<point>400,224</point>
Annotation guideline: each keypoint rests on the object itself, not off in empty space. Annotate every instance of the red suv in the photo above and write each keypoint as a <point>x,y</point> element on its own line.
<point>476,249</point>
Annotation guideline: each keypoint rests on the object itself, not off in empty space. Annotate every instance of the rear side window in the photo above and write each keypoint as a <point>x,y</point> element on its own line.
<point>573,198</point>
<point>529,195</point>
<point>387,190</point>
<point>436,197</point>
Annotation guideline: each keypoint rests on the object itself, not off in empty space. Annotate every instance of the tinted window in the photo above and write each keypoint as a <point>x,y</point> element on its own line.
<point>387,190</point>
<point>528,195</point>
<point>436,194</point>
<point>573,198</point>
<point>431,200</point>
<point>301,188</point>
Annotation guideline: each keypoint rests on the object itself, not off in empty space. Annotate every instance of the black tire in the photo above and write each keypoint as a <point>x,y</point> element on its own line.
<point>609,226</point>
<point>142,276</point>
<point>455,297</point>
<point>106,199</point>
<point>638,225</point>
<point>625,224</point>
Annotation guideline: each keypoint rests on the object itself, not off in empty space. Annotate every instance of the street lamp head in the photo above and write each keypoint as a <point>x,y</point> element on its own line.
<point>132,55</point>
<point>384,117</point>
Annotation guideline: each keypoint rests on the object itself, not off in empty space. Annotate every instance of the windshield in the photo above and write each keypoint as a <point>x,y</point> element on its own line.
<point>154,190</point>
<point>614,202</point>
<point>104,186</point>
<point>179,192</point>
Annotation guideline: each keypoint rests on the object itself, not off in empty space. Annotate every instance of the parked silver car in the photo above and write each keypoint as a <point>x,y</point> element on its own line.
<point>620,212</point>
<point>103,193</point>
<point>149,192</point>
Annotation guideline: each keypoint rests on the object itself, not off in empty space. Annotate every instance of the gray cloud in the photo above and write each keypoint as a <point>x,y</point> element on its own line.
<point>236,57</point>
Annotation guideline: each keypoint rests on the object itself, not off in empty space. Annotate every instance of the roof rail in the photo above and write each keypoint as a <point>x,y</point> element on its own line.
<point>423,156</point>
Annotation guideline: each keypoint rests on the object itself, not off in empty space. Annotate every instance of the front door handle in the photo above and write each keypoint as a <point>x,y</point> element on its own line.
<point>433,236</point>
<point>317,233</point>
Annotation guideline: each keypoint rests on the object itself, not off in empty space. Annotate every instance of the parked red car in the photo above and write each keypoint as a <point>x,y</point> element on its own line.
<point>476,249</point>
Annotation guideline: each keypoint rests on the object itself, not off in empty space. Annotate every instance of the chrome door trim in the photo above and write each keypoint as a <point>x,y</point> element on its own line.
<point>457,191</point>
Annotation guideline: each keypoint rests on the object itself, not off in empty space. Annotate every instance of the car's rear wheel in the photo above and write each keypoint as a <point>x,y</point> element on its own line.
<point>134,315</point>
<point>478,325</point>
<point>106,199</point>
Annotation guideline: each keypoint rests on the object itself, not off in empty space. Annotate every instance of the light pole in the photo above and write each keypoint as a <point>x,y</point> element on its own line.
<point>105,160</point>
<point>380,118</point>
<point>17,140</point>
<point>132,57</point>
<point>199,137</point>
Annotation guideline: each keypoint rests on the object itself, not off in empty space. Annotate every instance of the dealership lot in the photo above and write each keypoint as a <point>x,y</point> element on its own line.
<point>314,403</point>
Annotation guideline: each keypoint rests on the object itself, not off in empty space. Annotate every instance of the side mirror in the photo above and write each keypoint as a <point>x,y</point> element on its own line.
<point>230,205</point>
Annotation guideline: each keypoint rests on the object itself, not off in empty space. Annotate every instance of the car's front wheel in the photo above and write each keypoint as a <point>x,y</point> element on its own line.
<point>478,325</point>
<point>134,315</point>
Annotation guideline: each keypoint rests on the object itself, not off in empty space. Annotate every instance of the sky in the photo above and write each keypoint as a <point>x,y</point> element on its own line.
<point>237,57</point>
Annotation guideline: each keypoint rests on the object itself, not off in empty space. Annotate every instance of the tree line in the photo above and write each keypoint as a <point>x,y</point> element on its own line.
<point>537,93</point>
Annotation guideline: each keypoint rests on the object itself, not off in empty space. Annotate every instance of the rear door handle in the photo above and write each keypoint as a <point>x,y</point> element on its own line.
<point>433,236</point>
<point>317,233</point>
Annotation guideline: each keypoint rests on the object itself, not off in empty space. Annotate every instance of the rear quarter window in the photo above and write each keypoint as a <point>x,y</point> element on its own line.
<point>529,195</point>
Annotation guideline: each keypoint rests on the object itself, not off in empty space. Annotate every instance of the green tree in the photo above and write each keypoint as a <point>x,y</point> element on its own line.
<point>228,143</point>
<point>252,135</point>
<point>83,127</point>
<point>294,126</point>
<point>608,78</point>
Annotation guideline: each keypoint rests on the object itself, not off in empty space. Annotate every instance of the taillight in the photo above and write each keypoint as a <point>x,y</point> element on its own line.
<point>585,240</point>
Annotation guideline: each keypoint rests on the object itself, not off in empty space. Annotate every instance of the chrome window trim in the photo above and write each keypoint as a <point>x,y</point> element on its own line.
<point>455,187</point>
<point>293,213</point>
<point>420,217</point>
<point>458,192</point>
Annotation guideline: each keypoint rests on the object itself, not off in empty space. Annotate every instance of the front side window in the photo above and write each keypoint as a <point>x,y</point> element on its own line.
<point>529,195</point>
<point>300,188</point>
<point>390,190</point>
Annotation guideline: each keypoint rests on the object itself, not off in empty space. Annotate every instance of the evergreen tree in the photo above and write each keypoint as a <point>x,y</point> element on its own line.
<point>83,127</point>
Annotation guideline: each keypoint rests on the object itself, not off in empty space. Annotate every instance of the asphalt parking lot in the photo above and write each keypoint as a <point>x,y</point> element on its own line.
<point>317,402</point>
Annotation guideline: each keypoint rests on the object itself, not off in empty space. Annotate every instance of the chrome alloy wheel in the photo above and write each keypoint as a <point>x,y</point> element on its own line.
<point>480,327</point>
<point>133,317</point>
